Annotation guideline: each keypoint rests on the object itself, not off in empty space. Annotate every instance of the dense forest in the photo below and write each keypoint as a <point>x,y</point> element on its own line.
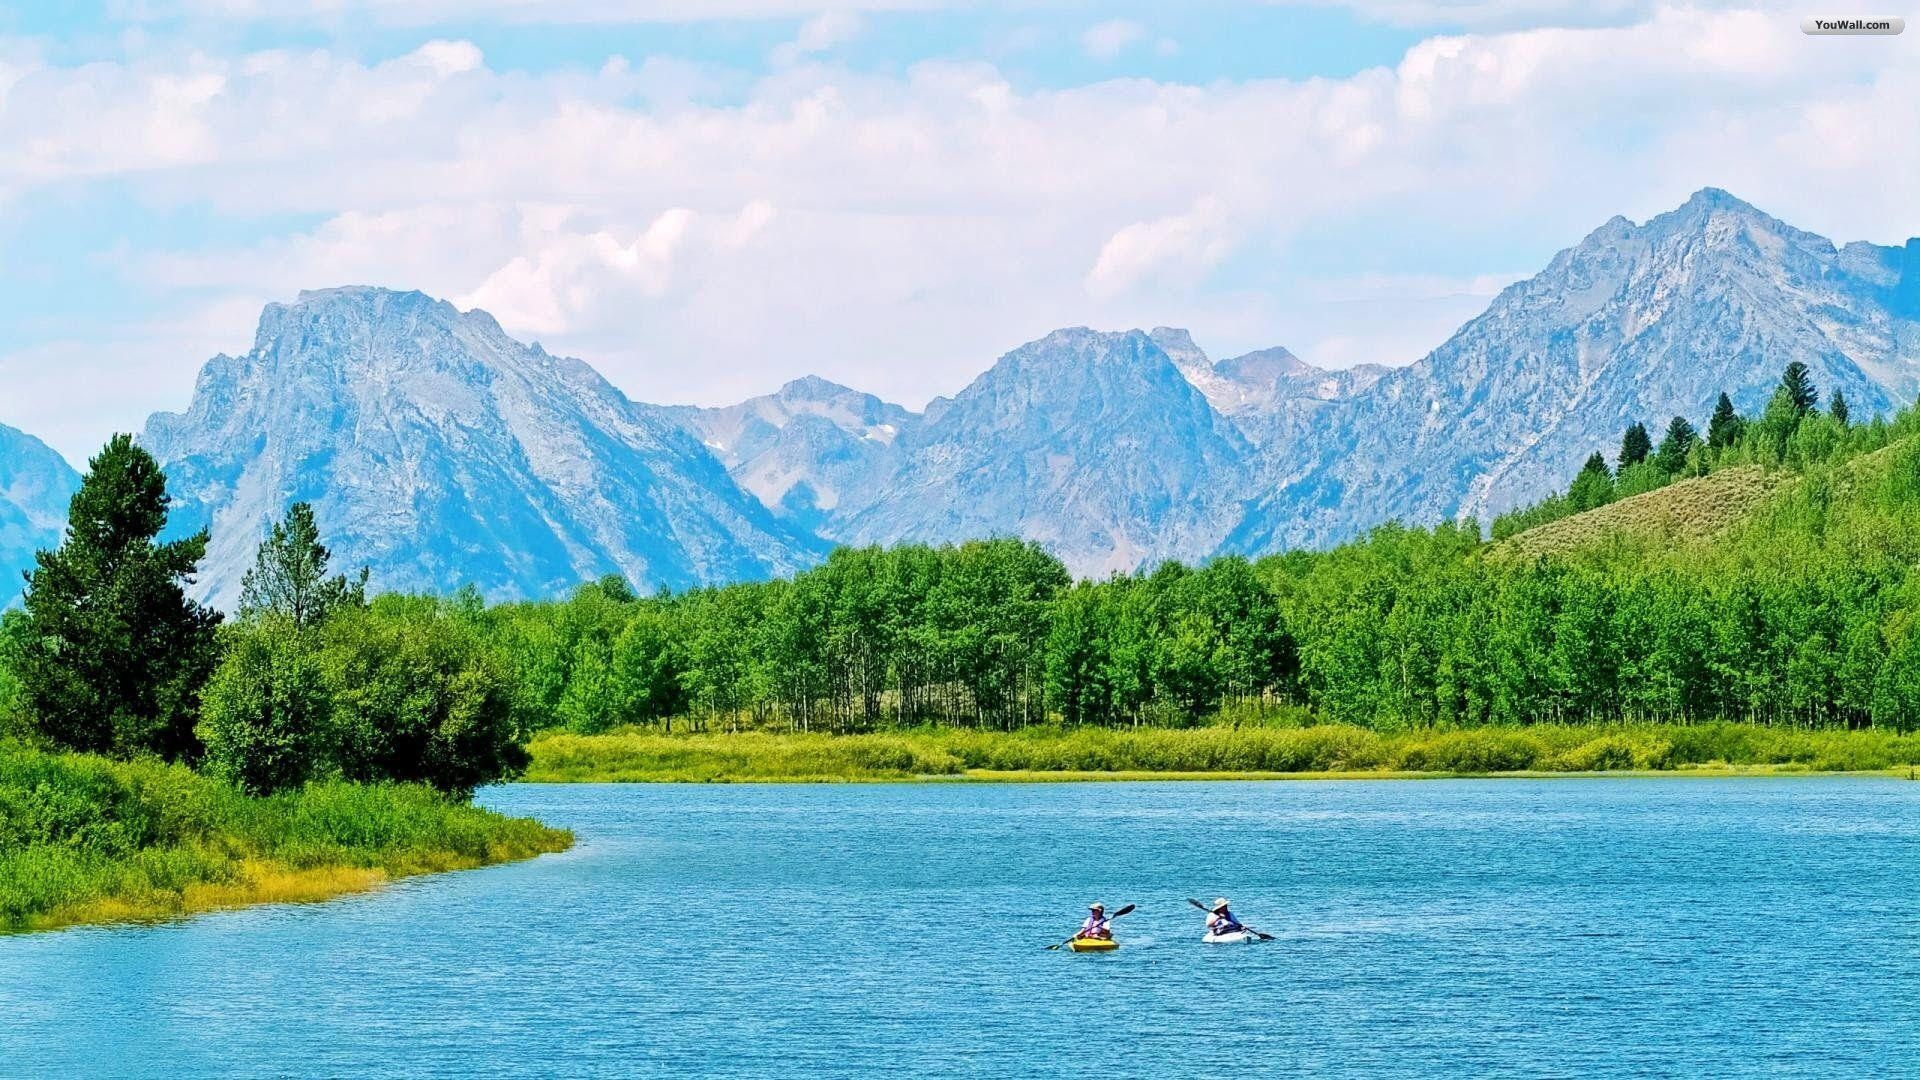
<point>1802,614</point>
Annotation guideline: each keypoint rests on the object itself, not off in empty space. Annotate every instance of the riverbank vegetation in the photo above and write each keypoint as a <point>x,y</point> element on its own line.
<point>86,839</point>
<point>158,759</point>
<point>1210,751</point>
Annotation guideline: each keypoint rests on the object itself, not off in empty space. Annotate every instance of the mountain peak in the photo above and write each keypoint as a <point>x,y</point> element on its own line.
<point>1712,198</point>
<point>439,451</point>
<point>813,388</point>
<point>375,296</point>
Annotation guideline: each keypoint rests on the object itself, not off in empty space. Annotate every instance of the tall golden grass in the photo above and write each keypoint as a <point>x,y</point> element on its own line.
<point>1329,749</point>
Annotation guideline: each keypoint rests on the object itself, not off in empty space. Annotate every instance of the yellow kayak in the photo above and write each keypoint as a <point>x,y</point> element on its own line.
<point>1087,944</point>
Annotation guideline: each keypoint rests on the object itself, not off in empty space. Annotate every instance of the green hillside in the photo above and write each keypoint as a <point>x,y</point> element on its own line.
<point>1693,509</point>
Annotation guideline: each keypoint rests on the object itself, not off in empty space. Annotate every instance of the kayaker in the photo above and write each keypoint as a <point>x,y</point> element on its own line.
<point>1220,920</point>
<point>1097,925</point>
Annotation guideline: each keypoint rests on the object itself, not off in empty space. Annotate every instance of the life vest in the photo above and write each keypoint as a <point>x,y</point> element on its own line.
<point>1096,927</point>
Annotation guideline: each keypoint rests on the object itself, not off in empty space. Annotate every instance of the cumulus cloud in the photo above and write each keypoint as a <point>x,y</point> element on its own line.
<point>1179,246</point>
<point>896,231</point>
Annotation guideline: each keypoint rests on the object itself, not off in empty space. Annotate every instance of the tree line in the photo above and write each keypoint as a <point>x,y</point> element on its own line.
<point>1801,616</point>
<point>1790,431</point>
<point>1806,614</point>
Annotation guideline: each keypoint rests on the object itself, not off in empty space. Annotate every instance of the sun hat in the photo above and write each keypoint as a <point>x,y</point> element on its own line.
<point>1219,902</point>
<point>1096,906</point>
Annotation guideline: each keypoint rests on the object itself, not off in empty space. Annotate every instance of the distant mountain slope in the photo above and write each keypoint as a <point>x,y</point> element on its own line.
<point>1093,444</point>
<point>439,451</point>
<point>804,450</point>
<point>35,486</point>
<point>1636,322</point>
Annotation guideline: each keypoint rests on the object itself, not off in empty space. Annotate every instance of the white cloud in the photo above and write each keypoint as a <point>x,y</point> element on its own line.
<point>819,34</point>
<point>897,231</point>
<point>1104,41</point>
<point>1179,246</point>
<point>414,13</point>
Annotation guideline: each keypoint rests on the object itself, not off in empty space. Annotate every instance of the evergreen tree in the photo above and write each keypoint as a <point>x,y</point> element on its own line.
<point>1674,448</point>
<point>1635,445</point>
<point>1837,407</point>
<point>1798,384</point>
<point>1724,429</point>
<point>113,653</point>
<point>1594,486</point>
<point>289,576</point>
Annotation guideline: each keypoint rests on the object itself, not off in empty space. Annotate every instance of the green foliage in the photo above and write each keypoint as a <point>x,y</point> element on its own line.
<point>1837,408</point>
<point>83,837</point>
<point>112,656</point>
<point>1635,445</point>
<point>267,714</point>
<point>418,697</point>
<point>1676,447</point>
<point>1796,384</point>
<point>289,576</point>
<point>1725,427</point>
<point>1593,486</point>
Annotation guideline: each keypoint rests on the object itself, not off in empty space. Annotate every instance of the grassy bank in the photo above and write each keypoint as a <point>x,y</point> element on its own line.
<point>88,840</point>
<point>1327,749</point>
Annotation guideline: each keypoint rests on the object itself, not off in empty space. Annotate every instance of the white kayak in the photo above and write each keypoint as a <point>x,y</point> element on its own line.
<point>1234,937</point>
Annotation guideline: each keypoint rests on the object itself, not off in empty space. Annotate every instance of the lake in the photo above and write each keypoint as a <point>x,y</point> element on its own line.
<point>1582,927</point>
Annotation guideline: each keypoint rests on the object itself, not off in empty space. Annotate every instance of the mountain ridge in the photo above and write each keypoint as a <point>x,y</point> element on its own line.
<point>1117,449</point>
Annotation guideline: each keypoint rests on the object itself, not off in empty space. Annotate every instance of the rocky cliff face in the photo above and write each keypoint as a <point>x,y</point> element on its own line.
<point>1636,322</point>
<point>439,451</point>
<point>809,451</point>
<point>1093,444</point>
<point>35,486</point>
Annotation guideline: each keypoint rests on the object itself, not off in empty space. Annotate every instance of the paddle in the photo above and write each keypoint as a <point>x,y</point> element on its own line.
<point>1076,934</point>
<point>1243,926</point>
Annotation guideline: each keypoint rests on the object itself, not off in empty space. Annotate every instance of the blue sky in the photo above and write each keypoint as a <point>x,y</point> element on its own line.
<point>706,199</point>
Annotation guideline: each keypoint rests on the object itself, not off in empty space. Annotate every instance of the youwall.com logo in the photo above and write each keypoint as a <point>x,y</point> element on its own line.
<point>1888,25</point>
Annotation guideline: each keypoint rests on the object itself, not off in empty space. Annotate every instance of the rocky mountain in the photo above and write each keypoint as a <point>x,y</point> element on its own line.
<point>1093,444</point>
<point>35,486</point>
<point>1252,387</point>
<point>805,450</point>
<point>439,451</point>
<point>1636,322</point>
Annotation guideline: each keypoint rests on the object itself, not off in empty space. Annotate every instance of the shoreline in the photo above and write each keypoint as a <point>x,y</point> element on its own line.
<point>89,840</point>
<point>261,882</point>
<point>1314,752</point>
<point>1083,776</point>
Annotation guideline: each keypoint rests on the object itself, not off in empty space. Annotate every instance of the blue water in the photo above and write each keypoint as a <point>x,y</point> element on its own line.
<point>1632,927</point>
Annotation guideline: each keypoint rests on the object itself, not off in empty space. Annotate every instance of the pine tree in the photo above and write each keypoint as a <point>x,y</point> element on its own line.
<point>1798,383</point>
<point>289,576</point>
<point>1837,407</point>
<point>1635,445</point>
<point>1674,448</point>
<point>1594,486</point>
<point>1724,429</point>
<point>114,654</point>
